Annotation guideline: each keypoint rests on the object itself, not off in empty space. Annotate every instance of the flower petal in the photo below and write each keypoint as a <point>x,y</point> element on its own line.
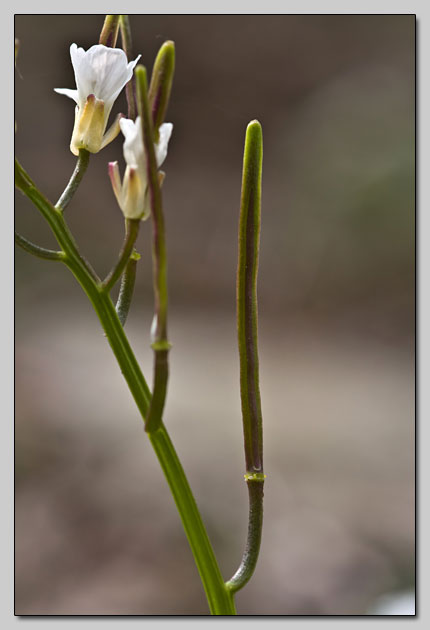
<point>165,132</point>
<point>128,127</point>
<point>102,71</point>
<point>134,154</point>
<point>70,93</point>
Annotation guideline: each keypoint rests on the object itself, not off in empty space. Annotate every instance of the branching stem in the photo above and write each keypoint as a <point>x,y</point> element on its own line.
<point>219,597</point>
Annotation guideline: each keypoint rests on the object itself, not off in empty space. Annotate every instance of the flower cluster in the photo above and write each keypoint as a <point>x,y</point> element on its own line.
<point>101,73</point>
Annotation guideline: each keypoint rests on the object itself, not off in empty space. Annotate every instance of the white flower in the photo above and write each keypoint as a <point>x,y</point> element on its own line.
<point>132,194</point>
<point>100,73</point>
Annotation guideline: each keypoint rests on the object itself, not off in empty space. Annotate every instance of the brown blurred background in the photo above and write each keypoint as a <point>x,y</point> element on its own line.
<point>96,528</point>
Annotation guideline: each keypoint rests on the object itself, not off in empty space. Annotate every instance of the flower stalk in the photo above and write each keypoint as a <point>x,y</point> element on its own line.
<point>131,232</point>
<point>160,343</point>
<point>80,169</point>
<point>36,250</point>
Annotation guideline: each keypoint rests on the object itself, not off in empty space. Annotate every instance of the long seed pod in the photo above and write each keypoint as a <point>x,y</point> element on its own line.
<point>249,243</point>
<point>161,84</point>
<point>109,33</point>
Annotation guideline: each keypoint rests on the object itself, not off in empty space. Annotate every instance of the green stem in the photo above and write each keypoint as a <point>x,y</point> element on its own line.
<point>75,180</point>
<point>126,288</point>
<point>160,343</point>
<point>255,526</point>
<point>219,597</point>
<point>53,216</point>
<point>131,232</point>
<point>36,250</point>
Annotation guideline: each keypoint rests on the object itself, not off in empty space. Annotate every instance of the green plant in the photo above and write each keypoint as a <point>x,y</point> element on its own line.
<point>101,73</point>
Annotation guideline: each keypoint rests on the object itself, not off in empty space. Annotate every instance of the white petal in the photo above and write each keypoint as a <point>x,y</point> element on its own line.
<point>102,71</point>
<point>161,147</point>
<point>131,66</point>
<point>118,77</point>
<point>128,127</point>
<point>77,55</point>
<point>133,144</point>
<point>70,93</point>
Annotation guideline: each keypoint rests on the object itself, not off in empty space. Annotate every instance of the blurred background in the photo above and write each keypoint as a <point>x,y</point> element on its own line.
<point>96,529</point>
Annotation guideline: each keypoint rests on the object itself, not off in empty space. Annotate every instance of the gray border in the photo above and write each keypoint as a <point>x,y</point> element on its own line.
<point>422,10</point>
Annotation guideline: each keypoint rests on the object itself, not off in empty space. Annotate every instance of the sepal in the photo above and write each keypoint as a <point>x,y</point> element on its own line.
<point>89,126</point>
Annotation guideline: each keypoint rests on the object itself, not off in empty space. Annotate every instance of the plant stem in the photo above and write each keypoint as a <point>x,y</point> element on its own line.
<point>219,597</point>
<point>160,343</point>
<point>253,542</point>
<point>131,232</point>
<point>126,288</point>
<point>36,250</point>
<point>93,288</point>
<point>75,180</point>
